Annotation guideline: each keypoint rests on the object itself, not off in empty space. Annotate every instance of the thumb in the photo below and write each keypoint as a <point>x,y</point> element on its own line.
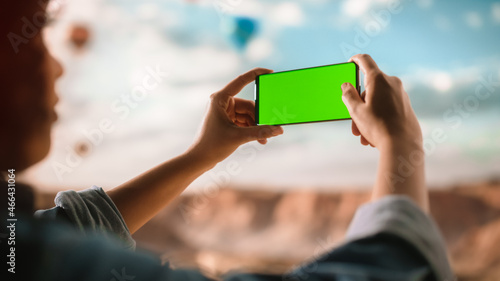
<point>260,132</point>
<point>350,97</point>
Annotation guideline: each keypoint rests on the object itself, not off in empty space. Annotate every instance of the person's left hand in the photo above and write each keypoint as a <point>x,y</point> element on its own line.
<point>230,121</point>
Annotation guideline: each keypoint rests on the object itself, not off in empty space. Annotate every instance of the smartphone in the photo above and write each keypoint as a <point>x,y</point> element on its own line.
<point>304,95</point>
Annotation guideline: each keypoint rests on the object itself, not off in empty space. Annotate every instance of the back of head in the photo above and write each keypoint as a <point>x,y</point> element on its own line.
<point>22,79</point>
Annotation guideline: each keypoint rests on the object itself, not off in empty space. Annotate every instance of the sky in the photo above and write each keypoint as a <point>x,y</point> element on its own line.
<point>442,50</point>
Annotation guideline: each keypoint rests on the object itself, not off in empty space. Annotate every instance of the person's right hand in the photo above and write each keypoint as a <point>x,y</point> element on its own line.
<point>230,121</point>
<point>382,115</point>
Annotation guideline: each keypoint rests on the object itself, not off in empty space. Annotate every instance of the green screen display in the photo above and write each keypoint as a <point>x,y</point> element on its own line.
<point>303,95</point>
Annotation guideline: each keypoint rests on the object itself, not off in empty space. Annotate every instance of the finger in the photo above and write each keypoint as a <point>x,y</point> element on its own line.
<point>242,106</point>
<point>240,124</point>
<point>262,141</point>
<point>354,129</point>
<point>260,132</point>
<point>350,97</point>
<point>244,119</point>
<point>241,81</point>
<point>218,108</point>
<point>365,63</point>
<point>364,141</point>
<point>363,95</point>
<point>230,109</point>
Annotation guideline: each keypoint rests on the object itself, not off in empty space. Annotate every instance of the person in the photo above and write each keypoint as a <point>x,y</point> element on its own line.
<point>87,236</point>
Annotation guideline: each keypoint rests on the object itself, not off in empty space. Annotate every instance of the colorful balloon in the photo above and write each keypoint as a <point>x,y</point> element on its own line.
<point>240,30</point>
<point>79,35</point>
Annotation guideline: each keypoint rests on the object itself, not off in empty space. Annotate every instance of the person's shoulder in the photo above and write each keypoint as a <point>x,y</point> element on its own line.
<point>361,260</point>
<point>399,216</point>
<point>392,213</point>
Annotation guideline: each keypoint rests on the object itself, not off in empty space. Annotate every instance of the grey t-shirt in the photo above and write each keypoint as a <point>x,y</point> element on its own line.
<point>388,239</point>
<point>398,215</point>
<point>91,211</point>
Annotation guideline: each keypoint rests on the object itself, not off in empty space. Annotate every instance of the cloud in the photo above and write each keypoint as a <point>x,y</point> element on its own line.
<point>442,82</point>
<point>148,11</point>
<point>203,63</point>
<point>473,19</point>
<point>366,12</point>
<point>361,8</point>
<point>495,12</point>
<point>436,79</point>
<point>425,4</point>
<point>288,14</point>
<point>452,85</point>
<point>259,49</point>
<point>249,8</point>
<point>356,8</point>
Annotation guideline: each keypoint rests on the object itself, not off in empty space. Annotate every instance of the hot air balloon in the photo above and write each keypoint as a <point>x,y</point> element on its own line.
<point>240,30</point>
<point>79,36</point>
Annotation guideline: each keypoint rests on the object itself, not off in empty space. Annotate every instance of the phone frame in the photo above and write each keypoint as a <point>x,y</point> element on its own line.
<point>256,93</point>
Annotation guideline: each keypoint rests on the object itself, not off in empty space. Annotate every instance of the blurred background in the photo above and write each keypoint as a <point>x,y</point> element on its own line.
<point>112,126</point>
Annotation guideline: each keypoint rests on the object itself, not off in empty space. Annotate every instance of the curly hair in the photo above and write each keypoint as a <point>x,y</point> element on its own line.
<point>22,78</point>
